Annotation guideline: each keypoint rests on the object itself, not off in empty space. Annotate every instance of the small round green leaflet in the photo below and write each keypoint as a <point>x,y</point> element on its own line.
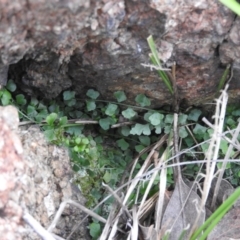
<point>182,119</point>
<point>68,95</point>
<point>5,97</point>
<point>142,100</point>
<point>139,129</point>
<point>91,105</point>
<point>122,144</point>
<point>194,115</point>
<point>93,94</point>
<point>158,129</point>
<point>199,130</point>
<point>21,100</point>
<point>129,113</point>
<point>156,118</point>
<point>120,96</point>
<point>125,131</point>
<point>183,132</point>
<point>111,109</point>
<point>145,140</point>
<point>51,119</point>
<point>105,123</point>
<point>95,230</point>
<point>107,177</point>
<point>31,111</point>
<point>169,118</point>
<point>11,86</point>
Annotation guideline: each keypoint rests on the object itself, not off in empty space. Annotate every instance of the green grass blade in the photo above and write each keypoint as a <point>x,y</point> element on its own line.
<point>156,62</point>
<point>232,4</point>
<point>162,74</point>
<point>153,50</point>
<point>213,220</point>
<point>223,78</point>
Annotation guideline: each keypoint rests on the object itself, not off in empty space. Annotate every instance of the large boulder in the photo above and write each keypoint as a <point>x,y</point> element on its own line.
<point>54,45</point>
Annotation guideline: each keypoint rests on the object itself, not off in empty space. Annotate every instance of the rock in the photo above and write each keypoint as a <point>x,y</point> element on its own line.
<point>50,177</point>
<point>50,46</point>
<point>12,171</point>
<point>37,177</point>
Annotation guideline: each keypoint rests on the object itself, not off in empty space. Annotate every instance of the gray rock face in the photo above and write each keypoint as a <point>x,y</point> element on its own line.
<point>35,177</point>
<point>51,46</point>
<point>49,176</point>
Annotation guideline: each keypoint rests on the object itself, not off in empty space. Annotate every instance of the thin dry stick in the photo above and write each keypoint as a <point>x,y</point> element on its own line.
<point>221,171</point>
<point>61,208</point>
<point>44,234</point>
<point>213,150</point>
<point>162,189</point>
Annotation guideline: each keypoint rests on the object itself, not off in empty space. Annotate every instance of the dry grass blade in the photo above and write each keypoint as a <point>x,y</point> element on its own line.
<point>162,188</point>
<point>134,230</point>
<point>213,150</point>
<point>134,183</point>
<point>183,206</point>
<point>221,171</point>
<point>143,169</point>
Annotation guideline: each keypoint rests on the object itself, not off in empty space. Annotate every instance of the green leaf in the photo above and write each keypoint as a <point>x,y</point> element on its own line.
<point>122,144</point>
<point>95,230</point>
<point>85,141</point>
<point>182,119</point>
<point>105,123</point>
<point>41,115</point>
<point>11,86</point>
<point>31,111</point>
<point>107,177</point>
<point>20,99</point>
<point>129,113</point>
<point>91,105</point>
<point>183,132</point>
<point>224,146</point>
<point>194,115</point>
<point>125,131</point>
<point>120,96</point>
<point>6,97</point>
<point>199,129</point>
<point>111,109</point>
<point>71,102</point>
<point>156,61</point>
<point>51,119</point>
<point>158,129</point>
<point>75,130</point>
<point>167,129</point>
<point>142,100</point>
<point>77,140</point>
<point>50,135</point>
<point>68,95</point>
<point>139,129</point>
<point>139,148</point>
<point>145,140</point>
<point>34,101</point>
<point>236,113</point>
<point>93,94</point>
<point>147,115</point>
<point>169,118</point>
<point>156,118</point>
<point>63,121</point>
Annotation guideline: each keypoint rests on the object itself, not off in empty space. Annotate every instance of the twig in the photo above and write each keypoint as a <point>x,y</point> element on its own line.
<point>43,233</point>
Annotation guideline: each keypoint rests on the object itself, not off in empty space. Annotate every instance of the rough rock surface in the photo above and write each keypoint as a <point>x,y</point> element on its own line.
<point>101,44</point>
<point>37,177</point>
<point>12,166</point>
